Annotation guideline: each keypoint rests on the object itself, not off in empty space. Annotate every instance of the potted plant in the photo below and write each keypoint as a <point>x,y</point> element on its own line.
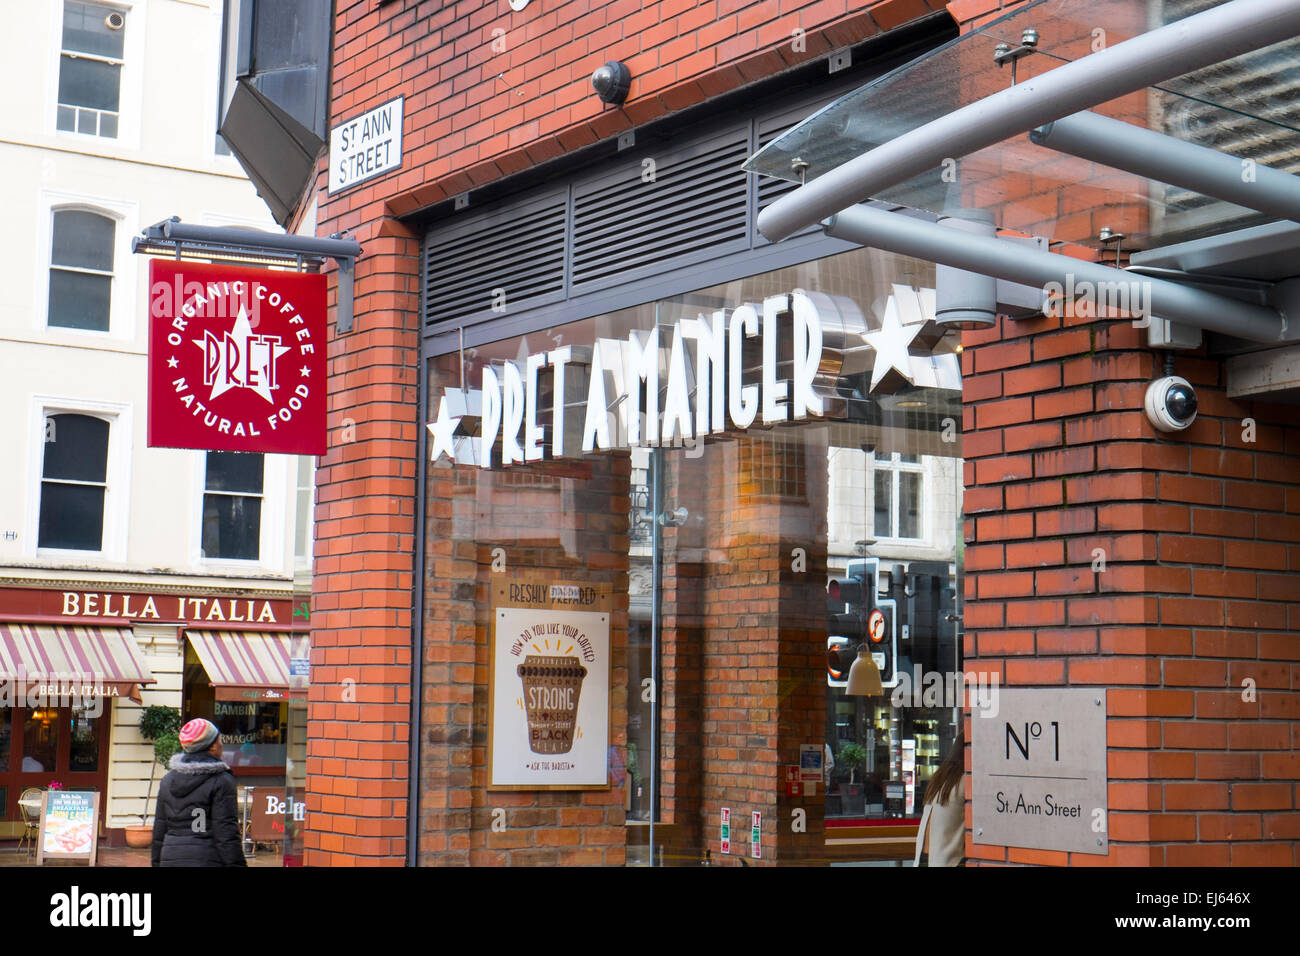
<point>159,725</point>
<point>851,756</point>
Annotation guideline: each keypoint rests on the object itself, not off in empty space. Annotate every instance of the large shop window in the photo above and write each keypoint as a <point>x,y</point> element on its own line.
<point>74,481</point>
<point>90,69</point>
<point>220,668</point>
<point>232,506</point>
<point>81,270</point>
<point>745,571</point>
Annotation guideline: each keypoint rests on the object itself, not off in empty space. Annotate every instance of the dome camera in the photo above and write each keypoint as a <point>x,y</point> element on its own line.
<point>611,82</point>
<point>1171,403</point>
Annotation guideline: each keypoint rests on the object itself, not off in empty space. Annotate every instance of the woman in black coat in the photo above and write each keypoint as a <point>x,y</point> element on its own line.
<point>196,822</point>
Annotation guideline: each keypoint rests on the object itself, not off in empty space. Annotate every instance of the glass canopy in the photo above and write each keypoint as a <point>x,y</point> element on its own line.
<point>1244,107</point>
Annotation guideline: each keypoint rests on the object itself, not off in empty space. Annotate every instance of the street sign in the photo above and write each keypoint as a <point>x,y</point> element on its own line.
<point>1038,770</point>
<point>366,146</point>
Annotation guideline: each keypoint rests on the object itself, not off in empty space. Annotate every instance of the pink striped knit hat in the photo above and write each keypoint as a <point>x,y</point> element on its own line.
<point>198,734</point>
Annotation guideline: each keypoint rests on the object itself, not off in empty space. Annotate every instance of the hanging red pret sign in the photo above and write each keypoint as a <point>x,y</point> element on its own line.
<point>236,359</point>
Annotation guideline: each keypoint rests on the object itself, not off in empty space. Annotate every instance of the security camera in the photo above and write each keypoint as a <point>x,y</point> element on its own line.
<point>1171,403</point>
<point>612,82</point>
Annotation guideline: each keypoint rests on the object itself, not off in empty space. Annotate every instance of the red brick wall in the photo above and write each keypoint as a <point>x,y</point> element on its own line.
<point>1200,536</point>
<point>1200,533</point>
<point>359,699</point>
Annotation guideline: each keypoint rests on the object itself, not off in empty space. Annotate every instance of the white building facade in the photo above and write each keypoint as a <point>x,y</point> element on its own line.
<point>156,576</point>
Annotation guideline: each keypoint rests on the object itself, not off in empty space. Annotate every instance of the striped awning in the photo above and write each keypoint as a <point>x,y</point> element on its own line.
<point>72,660</point>
<point>244,665</point>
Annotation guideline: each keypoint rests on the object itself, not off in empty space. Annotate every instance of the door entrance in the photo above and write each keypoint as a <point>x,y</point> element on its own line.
<point>39,746</point>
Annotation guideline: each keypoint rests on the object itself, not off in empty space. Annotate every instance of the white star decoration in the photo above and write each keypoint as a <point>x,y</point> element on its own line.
<point>305,370</point>
<point>443,430</point>
<point>891,342</point>
<point>172,363</point>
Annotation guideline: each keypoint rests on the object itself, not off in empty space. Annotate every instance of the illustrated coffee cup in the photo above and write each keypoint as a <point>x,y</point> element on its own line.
<point>552,685</point>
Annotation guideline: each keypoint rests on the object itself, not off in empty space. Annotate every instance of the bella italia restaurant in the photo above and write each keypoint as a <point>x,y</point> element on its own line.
<point>982,445</point>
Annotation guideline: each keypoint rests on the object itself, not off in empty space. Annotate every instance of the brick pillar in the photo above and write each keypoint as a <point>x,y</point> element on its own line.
<point>1199,533</point>
<point>567,520</point>
<point>744,642</point>
<point>358,704</point>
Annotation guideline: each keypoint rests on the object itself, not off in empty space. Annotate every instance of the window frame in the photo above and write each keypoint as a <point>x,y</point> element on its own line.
<point>273,535</point>
<point>117,477</point>
<point>110,274</point>
<point>119,62</point>
<point>302,561</point>
<point>123,291</point>
<point>261,511</point>
<point>895,467</point>
<point>130,85</point>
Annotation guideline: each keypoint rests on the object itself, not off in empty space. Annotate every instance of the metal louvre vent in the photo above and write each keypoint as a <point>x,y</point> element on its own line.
<point>675,214</point>
<point>1254,83</point>
<point>696,206</point>
<point>507,258</point>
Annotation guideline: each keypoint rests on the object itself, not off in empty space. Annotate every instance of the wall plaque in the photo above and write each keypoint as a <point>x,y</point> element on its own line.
<point>1038,771</point>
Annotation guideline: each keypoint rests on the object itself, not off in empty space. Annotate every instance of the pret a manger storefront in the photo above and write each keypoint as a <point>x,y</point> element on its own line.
<point>80,661</point>
<point>735,460</point>
<point>715,557</point>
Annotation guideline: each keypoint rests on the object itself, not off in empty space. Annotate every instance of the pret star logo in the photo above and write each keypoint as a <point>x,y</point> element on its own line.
<point>240,359</point>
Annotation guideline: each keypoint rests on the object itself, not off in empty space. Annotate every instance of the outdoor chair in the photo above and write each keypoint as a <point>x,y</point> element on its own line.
<point>31,820</point>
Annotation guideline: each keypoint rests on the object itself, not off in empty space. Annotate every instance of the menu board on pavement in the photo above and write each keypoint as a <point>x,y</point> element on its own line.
<point>69,826</point>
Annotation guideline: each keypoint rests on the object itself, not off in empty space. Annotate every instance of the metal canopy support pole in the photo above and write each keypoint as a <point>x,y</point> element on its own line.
<point>906,235</point>
<point>1168,160</point>
<point>1200,40</point>
<point>175,230</point>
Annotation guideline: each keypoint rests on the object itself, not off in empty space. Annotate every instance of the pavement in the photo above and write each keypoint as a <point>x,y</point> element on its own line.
<point>121,856</point>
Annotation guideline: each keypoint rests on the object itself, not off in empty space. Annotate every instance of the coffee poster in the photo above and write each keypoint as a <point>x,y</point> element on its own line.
<point>550,671</point>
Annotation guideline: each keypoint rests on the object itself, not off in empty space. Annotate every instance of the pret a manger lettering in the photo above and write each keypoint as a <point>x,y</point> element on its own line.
<point>710,384</point>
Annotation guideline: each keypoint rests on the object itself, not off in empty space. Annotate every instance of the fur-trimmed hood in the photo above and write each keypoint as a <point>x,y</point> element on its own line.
<point>191,771</point>
<point>196,763</point>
